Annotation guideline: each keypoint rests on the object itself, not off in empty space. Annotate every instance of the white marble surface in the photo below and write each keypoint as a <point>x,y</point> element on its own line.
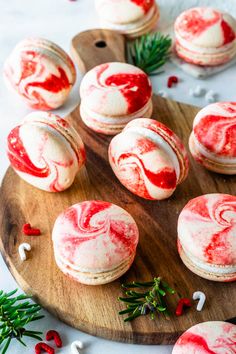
<point>60,20</point>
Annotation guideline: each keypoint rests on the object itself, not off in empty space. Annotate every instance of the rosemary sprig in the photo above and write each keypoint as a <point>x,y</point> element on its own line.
<point>150,301</point>
<point>15,314</point>
<point>150,52</point>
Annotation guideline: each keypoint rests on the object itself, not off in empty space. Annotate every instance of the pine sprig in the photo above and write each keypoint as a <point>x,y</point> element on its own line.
<point>15,314</point>
<point>150,301</point>
<point>150,52</point>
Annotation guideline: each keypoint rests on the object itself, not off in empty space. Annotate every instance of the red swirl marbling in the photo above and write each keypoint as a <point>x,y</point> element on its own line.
<point>215,129</point>
<point>207,338</point>
<point>46,151</point>
<point>94,236</point>
<point>148,159</point>
<point>41,73</point>
<point>194,22</point>
<point>207,229</point>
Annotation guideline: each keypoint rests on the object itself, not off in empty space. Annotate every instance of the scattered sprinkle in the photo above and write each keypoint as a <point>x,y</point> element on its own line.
<point>22,248</point>
<point>199,295</point>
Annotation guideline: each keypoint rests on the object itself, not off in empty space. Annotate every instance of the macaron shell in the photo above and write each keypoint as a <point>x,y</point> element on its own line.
<point>205,36</point>
<point>115,89</point>
<point>40,72</point>
<point>206,233</point>
<point>214,127</point>
<point>170,137</point>
<point>123,11</point>
<point>44,156</point>
<point>112,125</point>
<point>134,29</point>
<point>213,337</point>
<point>143,161</point>
<point>206,27</point>
<point>94,237</point>
<point>213,140</point>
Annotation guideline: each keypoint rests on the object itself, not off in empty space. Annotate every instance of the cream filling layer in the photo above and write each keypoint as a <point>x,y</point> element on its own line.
<point>130,26</point>
<point>210,156</point>
<point>211,268</point>
<point>115,119</point>
<point>205,50</point>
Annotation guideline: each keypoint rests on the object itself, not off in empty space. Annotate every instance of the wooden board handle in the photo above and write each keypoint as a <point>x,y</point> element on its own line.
<point>97,46</point>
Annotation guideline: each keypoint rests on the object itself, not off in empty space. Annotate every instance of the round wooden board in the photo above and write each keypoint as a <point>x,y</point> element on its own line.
<point>95,309</point>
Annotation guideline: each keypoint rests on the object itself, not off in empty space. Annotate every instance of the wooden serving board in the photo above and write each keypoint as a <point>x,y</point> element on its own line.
<point>95,309</point>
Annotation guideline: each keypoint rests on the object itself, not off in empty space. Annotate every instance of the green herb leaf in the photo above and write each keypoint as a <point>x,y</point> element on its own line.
<point>149,52</point>
<point>150,301</point>
<point>15,314</point>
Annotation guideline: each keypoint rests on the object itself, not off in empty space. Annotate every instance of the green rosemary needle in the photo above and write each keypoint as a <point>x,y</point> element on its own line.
<point>149,52</point>
<point>15,314</point>
<point>150,301</point>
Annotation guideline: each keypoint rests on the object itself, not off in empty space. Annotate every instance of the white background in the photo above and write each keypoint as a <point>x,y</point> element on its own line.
<point>59,21</point>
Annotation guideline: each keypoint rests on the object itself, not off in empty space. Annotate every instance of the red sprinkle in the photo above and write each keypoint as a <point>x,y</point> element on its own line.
<point>29,231</point>
<point>55,336</point>
<point>185,302</point>
<point>43,347</point>
<point>172,80</point>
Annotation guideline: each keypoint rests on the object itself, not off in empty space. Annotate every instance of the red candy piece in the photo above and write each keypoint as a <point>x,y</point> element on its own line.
<point>185,302</point>
<point>172,80</point>
<point>29,231</point>
<point>43,347</point>
<point>55,336</point>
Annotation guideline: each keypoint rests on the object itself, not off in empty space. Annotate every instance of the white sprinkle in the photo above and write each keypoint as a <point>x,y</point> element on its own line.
<point>211,96</point>
<point>75,346</point>
<point>22,248</point>
<point>197,91</point>
<point>199,295</point>
<point>162,93</point>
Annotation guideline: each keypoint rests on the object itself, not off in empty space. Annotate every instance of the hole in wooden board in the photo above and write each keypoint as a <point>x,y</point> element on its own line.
<point>100,44</point>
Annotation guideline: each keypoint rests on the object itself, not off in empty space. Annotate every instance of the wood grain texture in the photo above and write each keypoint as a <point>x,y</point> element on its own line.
<point>95,309</point>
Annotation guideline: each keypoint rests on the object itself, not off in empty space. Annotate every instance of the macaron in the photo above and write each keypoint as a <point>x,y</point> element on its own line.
<point>130,17</point>
<point>213,337</point>
<point>40,72</point>
<point>94,242</point>
<point>205,36</point>
<point>213,139</point>
<point>46,151</point>
<point>148,159</point>
<point>206,236</point>
<point>113,94</point>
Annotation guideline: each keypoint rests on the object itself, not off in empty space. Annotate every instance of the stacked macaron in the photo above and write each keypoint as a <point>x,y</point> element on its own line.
<point>213,140</point>
<point>94,242</point>
<point>113,94</point>
<point>148,159</point>
<point>46,151</point>
<point>206,236</point>
<point>40,72</point>
<point>131,17</point>
<point>213,337</point>
<point>205,36</point>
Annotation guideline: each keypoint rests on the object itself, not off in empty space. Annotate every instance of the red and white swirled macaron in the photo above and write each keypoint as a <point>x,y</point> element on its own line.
<point>213,337</point>
<point>148,159</point>
<point>130,17</point>
<point>213,139</point>
<point>94,242</point>
<point>46,151</point>
<point>205,36</point>
<point>40,72</point>
<point>206,236</point>
<point>113,94</point>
